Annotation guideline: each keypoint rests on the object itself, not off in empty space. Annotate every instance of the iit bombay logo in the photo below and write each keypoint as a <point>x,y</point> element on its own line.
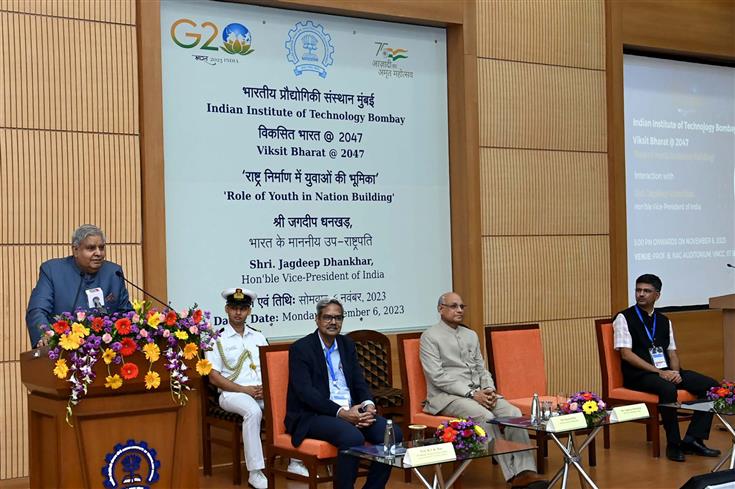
<point>309,48</point>
<point>132,465</point>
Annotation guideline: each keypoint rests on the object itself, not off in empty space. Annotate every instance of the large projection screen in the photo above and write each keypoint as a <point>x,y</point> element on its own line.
<point>680,188</point>
<point>306,156</point>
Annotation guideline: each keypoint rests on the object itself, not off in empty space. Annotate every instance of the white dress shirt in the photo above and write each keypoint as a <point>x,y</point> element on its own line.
<point>624,340</point>
<point>233,345</point>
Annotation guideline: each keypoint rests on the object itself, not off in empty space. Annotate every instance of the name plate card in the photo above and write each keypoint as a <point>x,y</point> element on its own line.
<point>431,454</point>
<point>629,413</point>
<point>566,422</point>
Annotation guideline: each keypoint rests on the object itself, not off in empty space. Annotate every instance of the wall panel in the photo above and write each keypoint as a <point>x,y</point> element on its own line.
<point>532,106</point>
<point>530,192</point>
<point>570,355</point>
<point>111,11</point>
<point>542,278</point>
<point>556,32</point>
<point>13,423</point>
<point>55,181</point>
<point>68,75</point>
<point>704,27</point>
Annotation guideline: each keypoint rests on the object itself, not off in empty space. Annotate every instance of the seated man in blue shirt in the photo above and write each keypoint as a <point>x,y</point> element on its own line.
<point>83,280</point>
<point>328,398</point>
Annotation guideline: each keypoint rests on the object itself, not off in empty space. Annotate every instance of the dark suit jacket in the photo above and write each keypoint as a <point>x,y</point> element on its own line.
<point>308,383</point>
<point>60,288</point>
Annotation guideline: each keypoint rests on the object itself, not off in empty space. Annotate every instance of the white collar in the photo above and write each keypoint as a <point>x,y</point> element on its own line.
<point>230,331</point>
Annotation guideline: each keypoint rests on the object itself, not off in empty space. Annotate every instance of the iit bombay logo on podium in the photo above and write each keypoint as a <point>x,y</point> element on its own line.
<point>310,48</point>
<point>131,465</point>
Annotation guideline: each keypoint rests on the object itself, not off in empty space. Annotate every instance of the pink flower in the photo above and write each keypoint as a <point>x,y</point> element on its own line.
<point>136,318</point>
<point>81,315</point>
<point>143,333</point>
<point>107,337</point>
<point>183,313</point>
<point>193,330</point>
<point>573,407</point>
<point>166,333</point>
<point>601,404</point>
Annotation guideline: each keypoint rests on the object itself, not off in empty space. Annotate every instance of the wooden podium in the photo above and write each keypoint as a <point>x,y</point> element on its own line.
<point>118,436</point>
<point>727,304</point>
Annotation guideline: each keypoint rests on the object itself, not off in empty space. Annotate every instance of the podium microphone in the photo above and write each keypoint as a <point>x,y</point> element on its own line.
<point>120,274</point>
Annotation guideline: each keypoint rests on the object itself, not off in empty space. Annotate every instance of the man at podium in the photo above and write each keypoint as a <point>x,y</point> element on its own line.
<point>83,280</point>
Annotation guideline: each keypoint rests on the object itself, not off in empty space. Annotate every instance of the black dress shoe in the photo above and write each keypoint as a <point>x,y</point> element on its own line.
<point>674,453</point>
<point>699,448</point>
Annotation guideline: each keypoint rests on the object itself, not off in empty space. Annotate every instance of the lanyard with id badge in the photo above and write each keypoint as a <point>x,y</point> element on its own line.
<point>339,393</point>
<point>656,352</point>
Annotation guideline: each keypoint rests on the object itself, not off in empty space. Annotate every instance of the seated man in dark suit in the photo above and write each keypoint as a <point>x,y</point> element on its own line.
<point>650,363</point>
<point>328,398</point>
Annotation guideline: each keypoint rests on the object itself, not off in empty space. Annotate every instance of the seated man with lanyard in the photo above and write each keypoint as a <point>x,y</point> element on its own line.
<point>236,372</point>
<point>328,398</point>
<point>645,339</point>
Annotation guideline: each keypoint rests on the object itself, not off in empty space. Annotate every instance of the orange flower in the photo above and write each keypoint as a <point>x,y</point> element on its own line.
<point>190,351</point>
<point>587,396</point>
<point>449,435</point>
<point>171,318</point>
<point>122,326</point>
<point>203,367</point>
<point>197,316</point>
<point>61,327</point>
<point>129,371</point>
<point>722,392</point>
<point>128,347</point>
<point>97,324</point>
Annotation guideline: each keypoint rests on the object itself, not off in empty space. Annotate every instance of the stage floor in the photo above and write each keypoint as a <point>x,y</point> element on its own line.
<point>626,465</point>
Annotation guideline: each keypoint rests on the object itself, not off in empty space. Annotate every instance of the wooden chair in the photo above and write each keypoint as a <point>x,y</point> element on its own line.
<point>214,415</point>
<point>314,453</point>
<point>515,357</point>
<point>615,394</point>
<point>374,354</point>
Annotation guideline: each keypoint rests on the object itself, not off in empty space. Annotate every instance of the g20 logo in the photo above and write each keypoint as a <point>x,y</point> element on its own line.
<point>236,38</point>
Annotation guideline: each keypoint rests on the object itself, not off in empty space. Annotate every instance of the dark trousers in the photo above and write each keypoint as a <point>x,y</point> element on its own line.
<point>344,435</point>
<point>693,382</point>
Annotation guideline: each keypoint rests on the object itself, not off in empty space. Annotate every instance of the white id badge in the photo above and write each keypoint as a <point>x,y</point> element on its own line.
<point>95,298</point>
<point>657,355</point>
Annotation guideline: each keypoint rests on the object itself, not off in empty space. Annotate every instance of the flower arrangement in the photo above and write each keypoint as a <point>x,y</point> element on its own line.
<point>78,340</point>
<point>588,403</point>
<point>464,434</point>
<point>723,397</point>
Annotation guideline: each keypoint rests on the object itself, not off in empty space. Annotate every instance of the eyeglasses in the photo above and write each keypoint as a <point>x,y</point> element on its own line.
<point>328,318</point>
<point>461,307</point>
